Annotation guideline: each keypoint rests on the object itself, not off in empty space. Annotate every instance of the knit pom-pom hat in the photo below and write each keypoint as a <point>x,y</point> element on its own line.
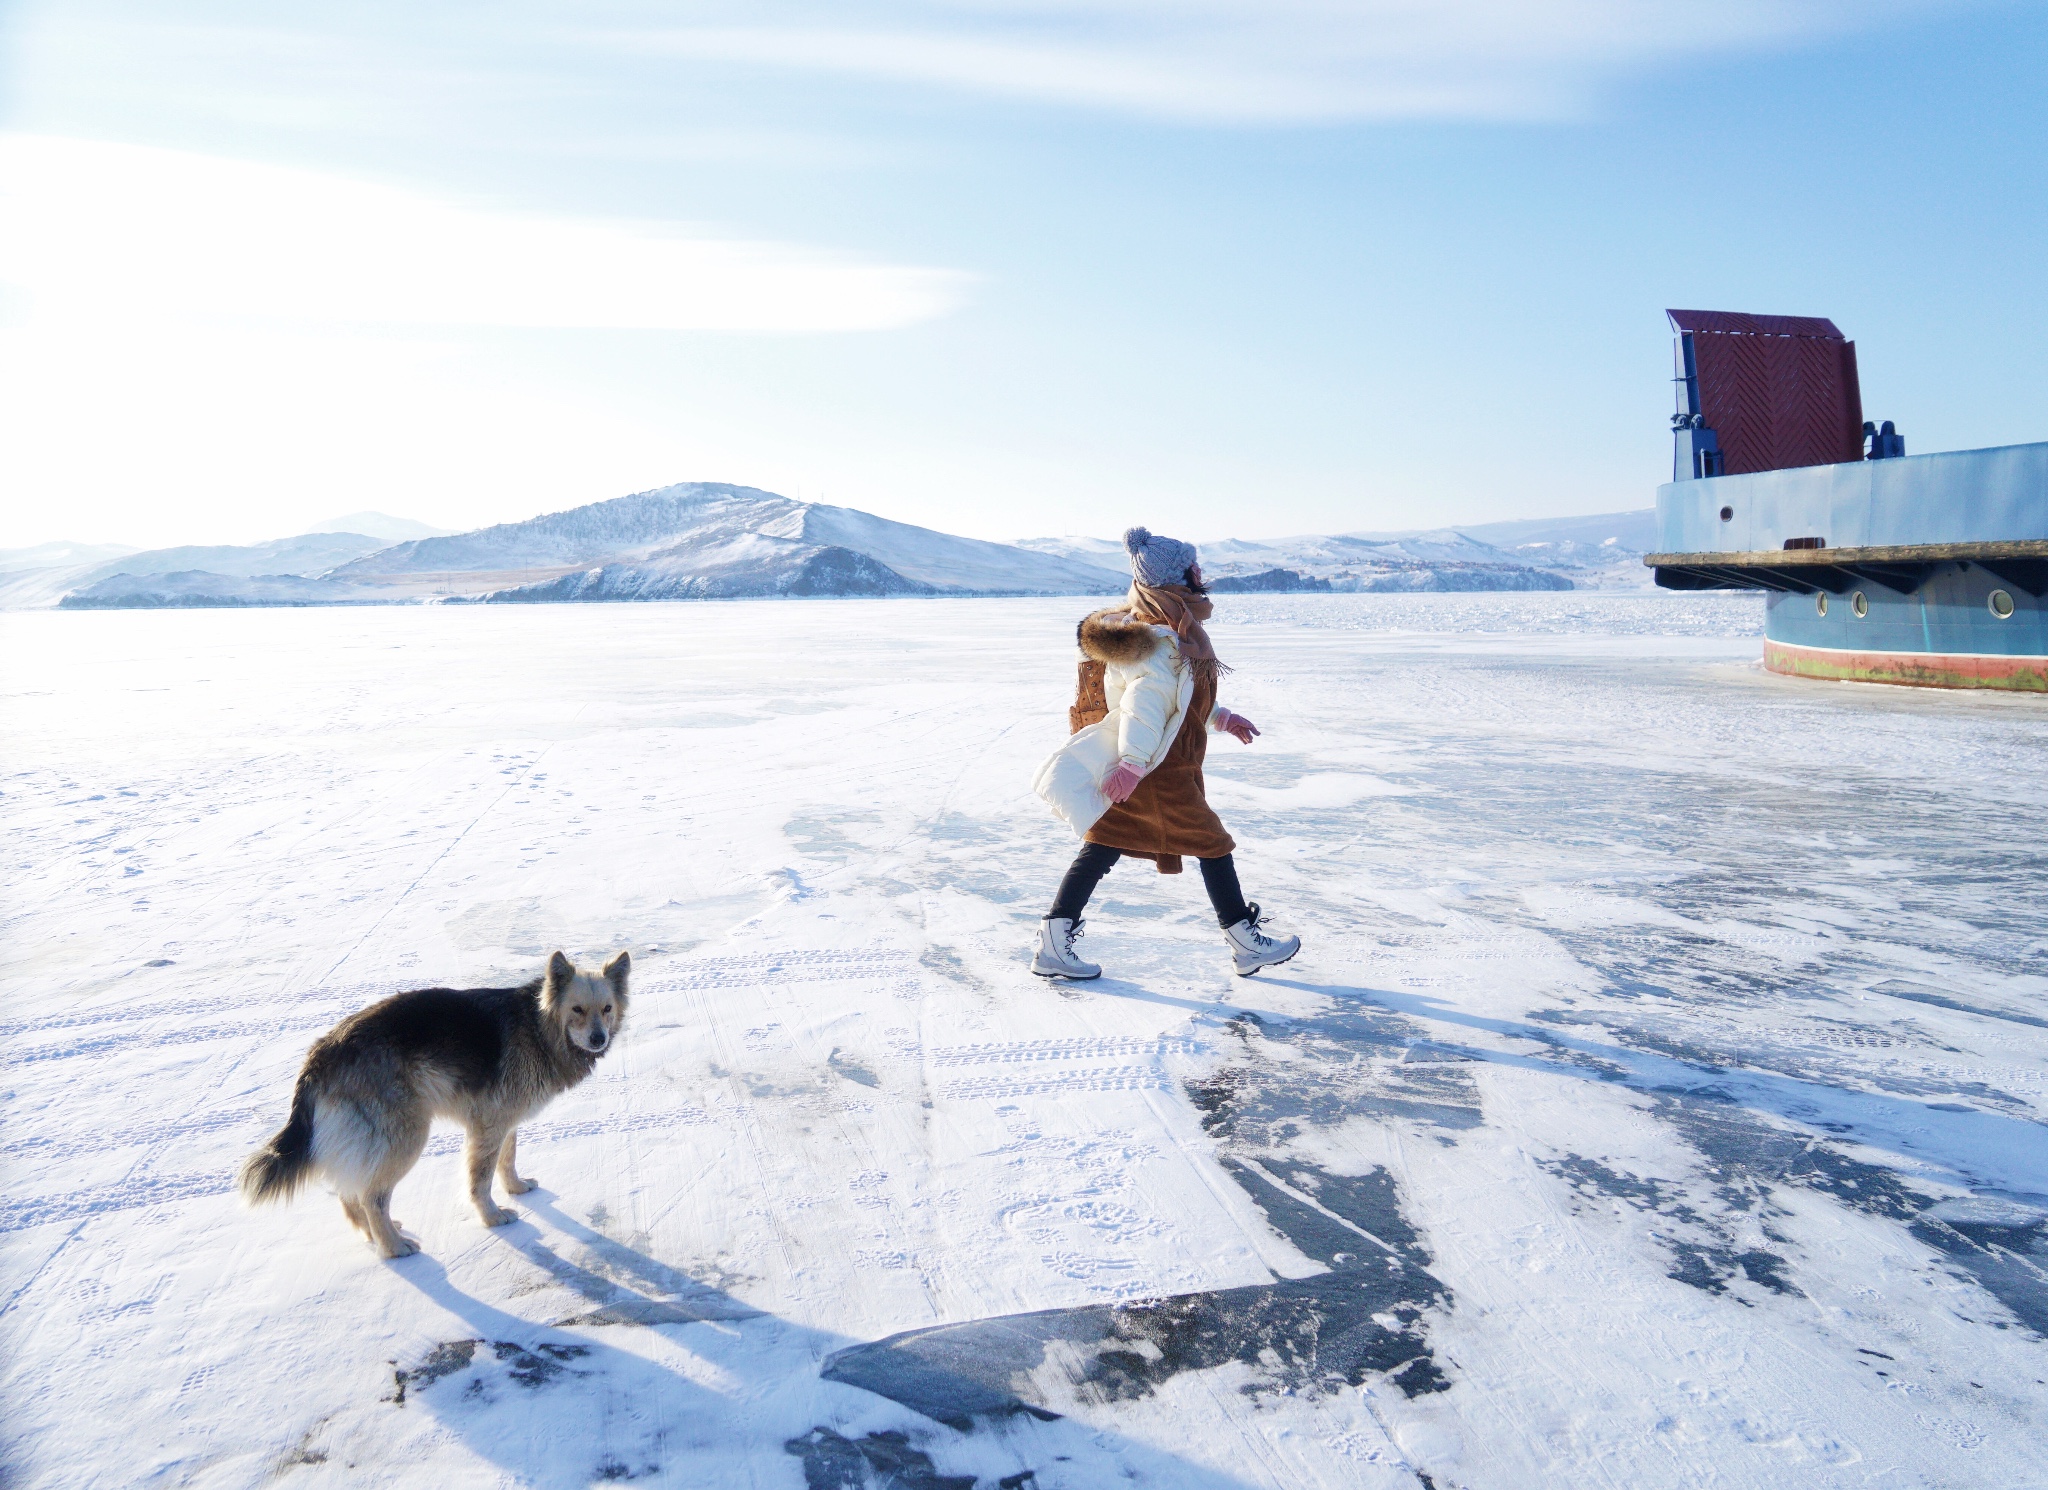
<point>1156,560</point>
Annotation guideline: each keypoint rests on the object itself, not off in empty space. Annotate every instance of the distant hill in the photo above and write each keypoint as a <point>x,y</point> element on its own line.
<point>308,553</point>
<point>380,525</point>
<point>93,572</point>
<point>1602,552</point>
<point>1635,531</point>
<point>712,540</point>
<point>209,570</point>
<point>1269,582</point>
<point>696,540</point>
<point>284,571</point>
<point>195,588</point>
<point>31,578</point>
<point>1106,554</point>
<point>704,539</point>
<point>59,555</point>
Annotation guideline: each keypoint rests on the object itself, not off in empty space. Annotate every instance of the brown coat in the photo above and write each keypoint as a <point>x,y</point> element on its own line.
<point>1168,816</point>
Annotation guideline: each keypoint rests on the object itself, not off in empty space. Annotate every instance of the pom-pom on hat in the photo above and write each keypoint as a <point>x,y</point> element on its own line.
<point>1156,560</point>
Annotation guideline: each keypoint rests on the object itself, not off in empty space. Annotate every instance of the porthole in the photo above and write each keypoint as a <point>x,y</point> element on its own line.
<point>1727,514</point>
<point>2001,605</point>
<point>1820,602</point>
<point>1859,604</point>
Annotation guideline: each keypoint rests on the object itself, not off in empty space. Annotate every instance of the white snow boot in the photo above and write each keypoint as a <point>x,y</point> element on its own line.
<point>1055,956</point>
<point>1251,949</point>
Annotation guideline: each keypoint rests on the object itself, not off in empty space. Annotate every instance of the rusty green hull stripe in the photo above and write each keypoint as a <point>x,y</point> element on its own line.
<point>1911,669</point>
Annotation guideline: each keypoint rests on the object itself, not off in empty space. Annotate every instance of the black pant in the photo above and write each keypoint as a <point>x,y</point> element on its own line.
<point>1219,878</point>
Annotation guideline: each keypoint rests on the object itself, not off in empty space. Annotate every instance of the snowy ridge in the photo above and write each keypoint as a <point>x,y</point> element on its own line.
<point>692,541</point>
<point>111,576</point>
<point>638,526</point>
<point>55,555</point>
<point>201,588</point>
<point>700,540</point>
<point>751,566</point>
<point>307,554</point>
<point>945,562</point>
<point>1350,563</point>
<point>713,540</point>
<point>1598,552</point>
<point>380,525</point>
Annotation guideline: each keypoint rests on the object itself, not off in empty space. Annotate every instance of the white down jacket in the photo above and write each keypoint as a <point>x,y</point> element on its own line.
<point>1147,685</point>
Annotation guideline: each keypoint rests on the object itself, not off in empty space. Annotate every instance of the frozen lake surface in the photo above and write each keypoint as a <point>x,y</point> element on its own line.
<point>1658,1099</point>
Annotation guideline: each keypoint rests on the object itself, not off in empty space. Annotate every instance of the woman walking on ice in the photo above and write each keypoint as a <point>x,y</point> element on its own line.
<point>1130,780</point>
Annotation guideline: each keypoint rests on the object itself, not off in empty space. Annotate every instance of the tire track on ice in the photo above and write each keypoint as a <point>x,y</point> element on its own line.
<point>446,850</point>
<point>140,1188</point>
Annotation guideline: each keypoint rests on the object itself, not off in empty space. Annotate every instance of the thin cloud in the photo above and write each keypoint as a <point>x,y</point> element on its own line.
<point>113,232</point>
<point>1260,61</point>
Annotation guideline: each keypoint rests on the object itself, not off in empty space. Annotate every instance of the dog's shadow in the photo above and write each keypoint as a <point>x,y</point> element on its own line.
<point>603,1412</point>
<point>556,1404</point>
<point>624,1287</point>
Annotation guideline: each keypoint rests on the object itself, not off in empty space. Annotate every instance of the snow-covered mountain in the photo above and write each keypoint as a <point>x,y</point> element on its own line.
<point>112,575</point>
<point>1634,531</point>
<point>31,578</point>
<point>712,540</point>
<point>1435,560</point>
<point>696,540</point>
<point>307,553</point>
<point>1106,554</point>
<point>1443,559</point>
<point>749,566</point>
<point>282,572</point>
<point>708,539</point>
<point>380,525</point>
<point>197,587</point>
<point>947,562</point>
<point>59,555</point>
<point>1598,552</point>
<point>1339,551</point>
<point>1603,551</point>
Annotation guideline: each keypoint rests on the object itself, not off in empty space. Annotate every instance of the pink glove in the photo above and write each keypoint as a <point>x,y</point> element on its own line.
<point>1238,725</point>
<point>1120,783</point>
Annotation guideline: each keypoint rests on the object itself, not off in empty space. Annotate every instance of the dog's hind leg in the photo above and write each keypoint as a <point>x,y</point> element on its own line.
<point>485,1144</point>
<point>384,1232</point>
<point>404,1142</point>
<point>365,1139</point>
<point>507,1175</point>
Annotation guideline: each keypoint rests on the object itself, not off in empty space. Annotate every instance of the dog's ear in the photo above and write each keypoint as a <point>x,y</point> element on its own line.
<point>561,973</point>
<point>615,973</point>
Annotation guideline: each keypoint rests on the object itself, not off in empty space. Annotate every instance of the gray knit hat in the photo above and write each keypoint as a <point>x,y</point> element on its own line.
<point>1158,561</point>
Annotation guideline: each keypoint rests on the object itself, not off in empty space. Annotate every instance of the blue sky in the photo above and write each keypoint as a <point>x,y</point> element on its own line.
<point>1008,269</point>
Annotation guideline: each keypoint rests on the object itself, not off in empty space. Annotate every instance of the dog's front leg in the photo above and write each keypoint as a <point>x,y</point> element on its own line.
<point>484,1146</point>
<point>507,1176</point>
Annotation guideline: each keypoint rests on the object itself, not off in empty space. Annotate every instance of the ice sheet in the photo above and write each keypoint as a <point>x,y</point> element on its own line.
<point>1657,1101</point>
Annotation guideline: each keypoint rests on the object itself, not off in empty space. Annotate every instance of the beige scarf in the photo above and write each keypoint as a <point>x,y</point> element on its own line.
<point>1183,611</point>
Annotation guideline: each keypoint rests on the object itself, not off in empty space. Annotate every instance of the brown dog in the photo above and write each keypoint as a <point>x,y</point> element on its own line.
<point>488,1057</point>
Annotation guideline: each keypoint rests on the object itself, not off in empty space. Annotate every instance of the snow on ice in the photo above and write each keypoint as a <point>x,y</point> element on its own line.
<point>1658,1100</point>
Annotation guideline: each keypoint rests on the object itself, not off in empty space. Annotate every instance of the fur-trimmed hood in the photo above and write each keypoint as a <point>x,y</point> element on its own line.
<point>1116,636</point>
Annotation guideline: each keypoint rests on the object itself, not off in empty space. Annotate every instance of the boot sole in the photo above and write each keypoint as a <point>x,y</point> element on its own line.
<point>1276,962</point>
<point>1070,977</point>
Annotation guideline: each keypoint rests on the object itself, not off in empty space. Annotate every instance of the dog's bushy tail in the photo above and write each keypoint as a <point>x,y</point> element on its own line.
<point>275,1171</point>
